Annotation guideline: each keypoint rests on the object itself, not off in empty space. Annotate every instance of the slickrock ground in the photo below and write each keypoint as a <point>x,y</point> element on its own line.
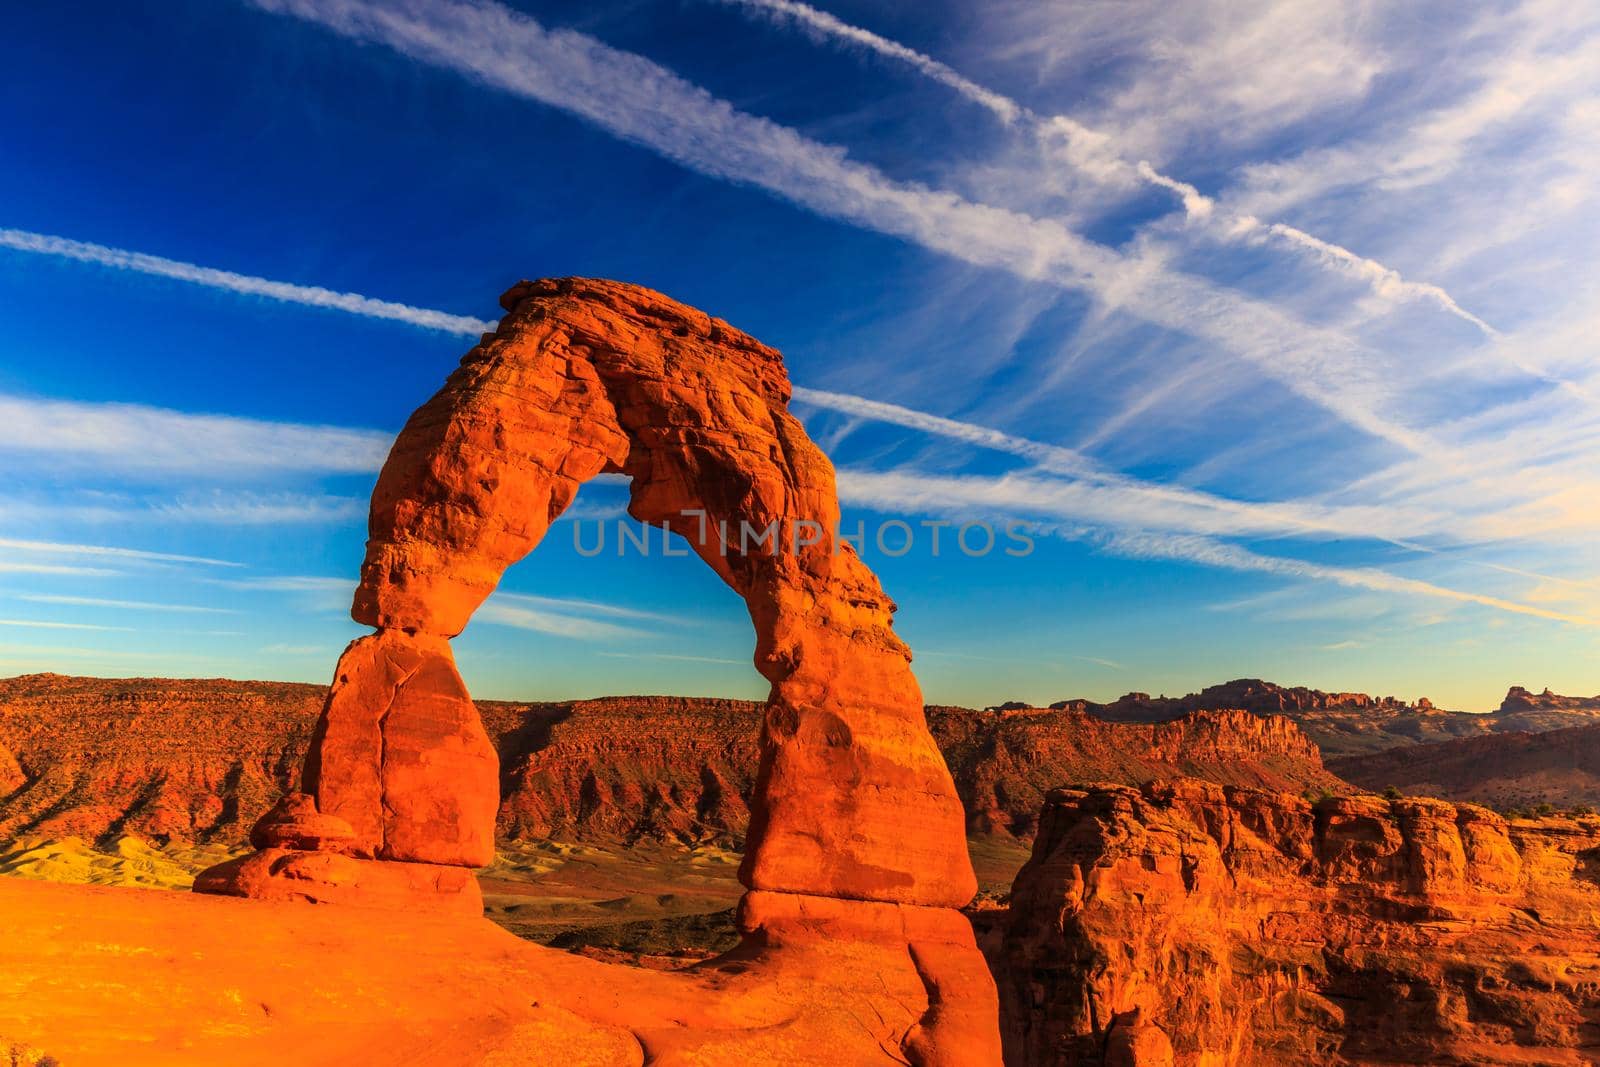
<point>156,979</point>
<point>1503,770</point>
<point>1247,927</point>
<point>1352,723</point>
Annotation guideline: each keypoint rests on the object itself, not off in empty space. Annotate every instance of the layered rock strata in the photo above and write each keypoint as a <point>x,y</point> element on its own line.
<point>1254,928</point>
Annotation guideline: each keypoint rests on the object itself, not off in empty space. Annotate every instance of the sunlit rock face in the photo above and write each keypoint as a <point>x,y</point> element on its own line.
<point>853,799</point>
<point>1255,928</point>
<point>856,834</point>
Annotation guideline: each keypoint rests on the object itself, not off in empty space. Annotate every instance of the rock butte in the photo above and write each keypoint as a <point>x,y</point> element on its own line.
<point>856,836</point>
<point>1190,923</point>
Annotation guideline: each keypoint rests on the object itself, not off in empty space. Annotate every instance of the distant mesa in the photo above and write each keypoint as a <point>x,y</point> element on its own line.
<point>197,762</point>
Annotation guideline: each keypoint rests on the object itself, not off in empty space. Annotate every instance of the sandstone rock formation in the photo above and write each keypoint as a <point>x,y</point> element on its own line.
<point>1255,928</point>
<point>1535,712</point>
<point>1006,762</point>
<point>11,776</point>
<point>856,833</point>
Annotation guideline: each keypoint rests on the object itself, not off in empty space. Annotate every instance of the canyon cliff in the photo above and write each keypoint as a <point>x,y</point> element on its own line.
<point>1006,762</point>
<point>200,760</point>
<point>1189,923</point>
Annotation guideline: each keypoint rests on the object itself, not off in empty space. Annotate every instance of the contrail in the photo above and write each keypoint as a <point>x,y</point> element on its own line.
<point>1093,153</point>
<point>288,292</point>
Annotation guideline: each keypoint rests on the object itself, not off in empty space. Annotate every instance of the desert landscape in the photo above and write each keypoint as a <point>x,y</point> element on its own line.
<point>621,822</point>
<point>773,533</point>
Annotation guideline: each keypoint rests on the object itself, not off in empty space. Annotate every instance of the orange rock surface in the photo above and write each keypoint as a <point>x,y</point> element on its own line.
<point>1006,762</point>
<point>1506,770</point>
<point>147,978</point>
<point>401,755</point>
<point>1348,724</point>
<point>1254,928</point>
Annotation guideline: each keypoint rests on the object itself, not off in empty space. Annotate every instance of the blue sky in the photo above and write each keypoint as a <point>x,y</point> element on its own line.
<point>1276,318</point>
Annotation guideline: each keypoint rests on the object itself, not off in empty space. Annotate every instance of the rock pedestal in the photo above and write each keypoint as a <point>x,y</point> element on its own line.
<point>854,812</point>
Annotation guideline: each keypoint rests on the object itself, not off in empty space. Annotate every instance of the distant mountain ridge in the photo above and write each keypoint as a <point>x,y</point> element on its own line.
<point>1350,723</point>
<point>1511,769</point>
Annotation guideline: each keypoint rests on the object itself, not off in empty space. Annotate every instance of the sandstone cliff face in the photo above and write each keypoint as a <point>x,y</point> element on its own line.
<point>1005,762</point>
<point>1534,712</point>
<point>1247,927</point>
<point>189,760</point>
<point>1512,769</point>
<point>626,768</point>
<point>199,761</point>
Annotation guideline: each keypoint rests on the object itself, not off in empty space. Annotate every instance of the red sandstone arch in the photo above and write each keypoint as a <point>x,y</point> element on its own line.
<point>856,855</point>
<point>853,799</point>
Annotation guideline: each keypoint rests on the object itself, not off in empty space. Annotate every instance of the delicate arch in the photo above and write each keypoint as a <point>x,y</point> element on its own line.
<point>584,376</point>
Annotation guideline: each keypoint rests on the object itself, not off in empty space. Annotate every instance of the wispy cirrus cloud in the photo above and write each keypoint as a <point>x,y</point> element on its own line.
<point>137,438</point>
<point>639,101</point>
<point>1130,535</point>
<point>8,566</point>
<point>49,624</point>
<point>129,605</point>
<point>114,552</point>
<point>243,284</point>
<point>1096,155</point>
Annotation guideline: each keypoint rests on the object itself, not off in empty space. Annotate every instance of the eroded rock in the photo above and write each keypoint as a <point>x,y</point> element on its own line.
<point>1256,928</point>
<point>855,853</point>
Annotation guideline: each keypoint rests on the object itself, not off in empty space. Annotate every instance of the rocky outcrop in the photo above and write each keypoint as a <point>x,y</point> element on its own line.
<point>1255,928</point>
<point>855,828</point>
<point>11,776</point>
<point>1006,762</point>
<point>1535,712</point>
<point>628,768</point>
<point>1503,770</point>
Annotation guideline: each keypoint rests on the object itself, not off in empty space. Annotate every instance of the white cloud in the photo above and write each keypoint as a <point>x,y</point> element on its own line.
<point>554,623</point>
<point>132,605</point>
<point>60,548</point>
<point>1096,154</point>
<point>1128,533</point>
<point>291,583</point>
<point>13,567</point>
<point>591,607</point>
<point>139,439</point>
<point>43,624</point>
<point>286,292</point>
<point>639,101</point>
